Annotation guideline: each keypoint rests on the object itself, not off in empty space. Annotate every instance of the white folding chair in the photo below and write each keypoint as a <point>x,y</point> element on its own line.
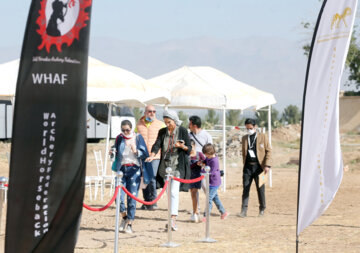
<point>102,180</point>
<point>88,184</point>
<point>110,180</point>
<point>98,180</point>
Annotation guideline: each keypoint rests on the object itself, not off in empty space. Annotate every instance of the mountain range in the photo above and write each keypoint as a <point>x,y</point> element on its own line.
<point>272,64</point>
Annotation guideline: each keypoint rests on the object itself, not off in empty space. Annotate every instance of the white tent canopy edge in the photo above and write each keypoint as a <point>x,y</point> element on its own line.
<point>208,88</point>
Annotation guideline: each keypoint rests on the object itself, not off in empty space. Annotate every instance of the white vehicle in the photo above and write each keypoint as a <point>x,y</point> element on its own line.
<point>97,120</point>
<point>96,126</point>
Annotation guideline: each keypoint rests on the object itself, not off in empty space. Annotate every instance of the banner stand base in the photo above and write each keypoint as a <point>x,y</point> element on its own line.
<point>207,240</point>
<point>170,245</point>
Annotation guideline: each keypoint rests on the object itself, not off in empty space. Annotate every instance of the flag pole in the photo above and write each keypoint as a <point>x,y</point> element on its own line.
<point>302,118</point>
<point>297,243</point>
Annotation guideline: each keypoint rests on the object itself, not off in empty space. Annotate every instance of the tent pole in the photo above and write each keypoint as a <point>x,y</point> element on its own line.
<point>107,139</point>
<point>13,105</point>
<point>269,133</point>
<point>269,123</point>
<point>224,148</point>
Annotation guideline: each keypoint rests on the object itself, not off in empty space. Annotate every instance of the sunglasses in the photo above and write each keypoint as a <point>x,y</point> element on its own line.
<point>151,111</point>
<point>125,130</point>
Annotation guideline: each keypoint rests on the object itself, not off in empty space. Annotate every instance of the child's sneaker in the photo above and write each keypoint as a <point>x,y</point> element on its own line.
<point>224,215</point>
<point>204,219</point>
<point>122,224</point>
<point>128,229</point>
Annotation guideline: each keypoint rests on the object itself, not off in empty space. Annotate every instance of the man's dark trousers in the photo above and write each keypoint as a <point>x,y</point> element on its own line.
<point>251,171</point>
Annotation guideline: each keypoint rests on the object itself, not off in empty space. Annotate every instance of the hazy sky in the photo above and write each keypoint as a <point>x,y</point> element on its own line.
<point>149,21</point>
<point>258,41</point>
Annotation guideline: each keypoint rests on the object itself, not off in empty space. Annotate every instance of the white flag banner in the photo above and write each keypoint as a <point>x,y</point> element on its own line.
<point>321,167</point>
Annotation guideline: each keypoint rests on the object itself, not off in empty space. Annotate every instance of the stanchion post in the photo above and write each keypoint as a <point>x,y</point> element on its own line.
<point>207,230</point>
<point>169,243</point>
<point>119,176</point>
<point>3,180</point>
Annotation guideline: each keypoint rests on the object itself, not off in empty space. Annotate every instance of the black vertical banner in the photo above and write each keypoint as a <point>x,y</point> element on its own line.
<point>48,152</point>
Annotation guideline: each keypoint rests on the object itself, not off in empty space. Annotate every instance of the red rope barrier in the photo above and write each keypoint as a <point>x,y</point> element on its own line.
<point>147,202</point>
<point>106,206</point>
<point>189,181</point>
<point>101,208</point>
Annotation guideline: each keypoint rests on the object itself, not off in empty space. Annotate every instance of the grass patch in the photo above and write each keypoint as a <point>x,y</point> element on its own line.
<point>354,161</point>
<point>288,144</point>
<point>288,166</point>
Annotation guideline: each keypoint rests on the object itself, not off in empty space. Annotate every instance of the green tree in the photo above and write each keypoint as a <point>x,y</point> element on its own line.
<point>184,118</point>
<point>291,114</point>
<point>233,117</point>
<point>263,119</point>
<point>353,63</point>
<point>138,113</point>
<point>211,118</point>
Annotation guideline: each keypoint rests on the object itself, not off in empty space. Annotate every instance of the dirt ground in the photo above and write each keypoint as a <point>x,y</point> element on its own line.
<point>338,230</point>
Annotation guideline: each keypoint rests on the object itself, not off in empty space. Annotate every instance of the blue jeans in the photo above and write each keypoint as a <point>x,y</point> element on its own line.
<point>213,196</point>
<point>131,181</point>
<point>149,192</point>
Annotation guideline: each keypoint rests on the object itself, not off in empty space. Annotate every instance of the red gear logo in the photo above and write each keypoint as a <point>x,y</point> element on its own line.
<point>60,22</point>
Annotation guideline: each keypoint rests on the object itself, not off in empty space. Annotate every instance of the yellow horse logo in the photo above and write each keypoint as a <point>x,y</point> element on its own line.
<point>337,18</point>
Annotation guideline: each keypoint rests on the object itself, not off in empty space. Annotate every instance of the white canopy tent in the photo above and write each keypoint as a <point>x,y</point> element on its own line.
<point>8,77</point>
<point>106,84</point>
<point>207,87</point>
<point>110,84</point>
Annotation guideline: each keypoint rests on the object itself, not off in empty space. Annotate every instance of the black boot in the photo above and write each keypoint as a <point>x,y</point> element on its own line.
<point>261,212</point>
<point>243,212</point>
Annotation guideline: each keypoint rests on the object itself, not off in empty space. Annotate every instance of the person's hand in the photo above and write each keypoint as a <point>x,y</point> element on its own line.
<point>266,169</point>
<point>179,144</point>
<point>149,159</point>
